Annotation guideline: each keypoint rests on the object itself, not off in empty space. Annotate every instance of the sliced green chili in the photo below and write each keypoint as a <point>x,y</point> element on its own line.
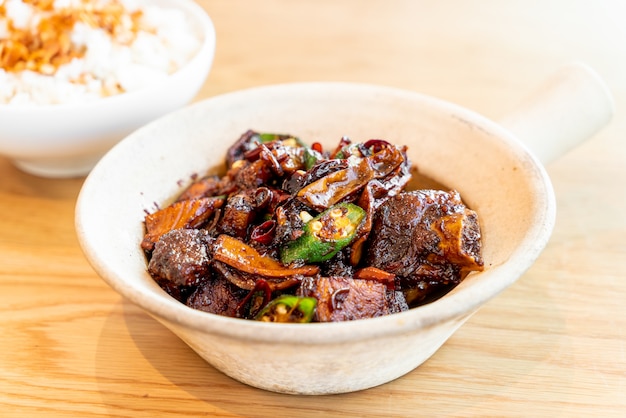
<point>311,157</point>
<point>288,308</point>
<point>265,137</point>
<point>325,235</point>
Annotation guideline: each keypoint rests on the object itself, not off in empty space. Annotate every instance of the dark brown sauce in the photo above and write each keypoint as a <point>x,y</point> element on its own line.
<point>419,182</point>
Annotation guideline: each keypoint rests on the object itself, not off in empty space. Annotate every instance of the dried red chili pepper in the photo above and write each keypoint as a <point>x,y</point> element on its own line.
<point>264,233</point>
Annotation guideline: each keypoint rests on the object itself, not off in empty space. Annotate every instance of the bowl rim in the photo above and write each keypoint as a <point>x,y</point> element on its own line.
<point>455,306</point>
<point>192,10</point>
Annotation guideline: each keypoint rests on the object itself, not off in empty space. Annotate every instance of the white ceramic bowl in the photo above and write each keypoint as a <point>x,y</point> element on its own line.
<point>68,139</point>
<point>493,171</point>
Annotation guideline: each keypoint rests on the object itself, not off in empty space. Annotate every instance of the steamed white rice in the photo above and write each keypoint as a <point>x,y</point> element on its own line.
<point>164,44</point>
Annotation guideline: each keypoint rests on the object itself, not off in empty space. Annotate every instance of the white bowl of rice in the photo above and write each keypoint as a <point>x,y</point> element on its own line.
<point>76,76</point>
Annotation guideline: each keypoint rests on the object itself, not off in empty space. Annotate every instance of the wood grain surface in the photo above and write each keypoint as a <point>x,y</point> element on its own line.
<point>553,344</point>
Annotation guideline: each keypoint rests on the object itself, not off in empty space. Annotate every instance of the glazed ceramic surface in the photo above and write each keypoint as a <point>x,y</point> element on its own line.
<point>492,170</point>
<point>68,139</point>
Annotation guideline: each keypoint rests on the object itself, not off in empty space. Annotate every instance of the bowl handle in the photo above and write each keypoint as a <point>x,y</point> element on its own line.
<point>568,108</point>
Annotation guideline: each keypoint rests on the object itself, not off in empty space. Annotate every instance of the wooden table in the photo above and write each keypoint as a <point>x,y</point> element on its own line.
<point>553,344</point>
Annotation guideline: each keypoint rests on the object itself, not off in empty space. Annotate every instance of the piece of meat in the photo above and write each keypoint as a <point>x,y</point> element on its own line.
<point>245,143</point>
<point>241,210</point>
<point>427,238</point>
<point>348,299</point>
<point>182,257</point>
<point>424,226</point>
<point>339,265</point>
<point>217,296</point>
<point>246,175</point>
